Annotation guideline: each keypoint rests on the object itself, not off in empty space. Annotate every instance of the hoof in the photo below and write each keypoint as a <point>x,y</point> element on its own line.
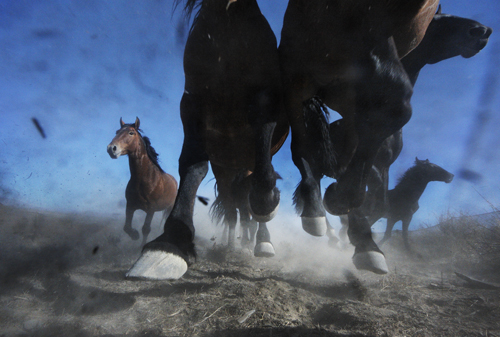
<point>158,265</point>
<point>134,235</point>
<point>371,261</point>
<point>314,226</point>
<point>266,217</point>
<point>336,204</point>
<point>264,249</point>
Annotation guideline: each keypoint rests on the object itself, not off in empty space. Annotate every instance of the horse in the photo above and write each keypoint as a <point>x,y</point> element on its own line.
<point>149,189</point>
<point>403,199</point>
<point>233,117</point>
<point>346,53</point>
<point>447,36</point>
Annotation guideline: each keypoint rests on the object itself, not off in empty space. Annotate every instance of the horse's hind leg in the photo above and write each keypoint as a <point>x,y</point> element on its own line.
<point>167,256</point>
<point>146,228</point>
<point>367,255</point>
<point>129,214</point>
<point>263,247</point>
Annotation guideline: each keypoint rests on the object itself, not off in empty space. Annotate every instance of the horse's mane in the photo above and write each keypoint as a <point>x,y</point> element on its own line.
<point>408,173</point>
<point>150,150</point>
<point>189,7</point>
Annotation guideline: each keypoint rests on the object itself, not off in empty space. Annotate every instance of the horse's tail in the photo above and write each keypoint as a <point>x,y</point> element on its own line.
<point>318,133</point>
<point>217,210</point>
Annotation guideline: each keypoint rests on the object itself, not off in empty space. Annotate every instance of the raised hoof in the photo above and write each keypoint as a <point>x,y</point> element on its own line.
<point>315,226</point>
<point>371,261</point>
<point>265,217</point>
<point>264,249</point>
<point>158,265</point>
<point>337,204</point>
<point>134,235</point>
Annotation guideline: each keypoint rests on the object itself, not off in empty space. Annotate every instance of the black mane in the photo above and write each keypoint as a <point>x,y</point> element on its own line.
<point>408,173</point>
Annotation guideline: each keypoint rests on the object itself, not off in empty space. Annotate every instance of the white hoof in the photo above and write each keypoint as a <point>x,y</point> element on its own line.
<point>264,249</point>
<point>371,261</point>
<point>158,265</point>
<point>264,218</point>
<point>314,226</point>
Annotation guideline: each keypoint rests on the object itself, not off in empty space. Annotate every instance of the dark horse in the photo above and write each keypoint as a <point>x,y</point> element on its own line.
<point>347,53</point>
<point>403,199</point>
<point>150,188</point>
<point>232,116</point>
<point>447,36</point>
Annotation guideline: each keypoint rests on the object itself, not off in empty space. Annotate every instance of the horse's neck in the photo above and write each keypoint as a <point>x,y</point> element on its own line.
<point>412,186</point>
<point>413,63</point>
<point>140,164</point>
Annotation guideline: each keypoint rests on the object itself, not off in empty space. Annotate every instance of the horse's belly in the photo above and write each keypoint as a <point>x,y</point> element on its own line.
<point>231,148</point>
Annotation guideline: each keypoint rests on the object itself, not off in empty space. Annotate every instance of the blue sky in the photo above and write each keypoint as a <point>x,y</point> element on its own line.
<point>78,66</point>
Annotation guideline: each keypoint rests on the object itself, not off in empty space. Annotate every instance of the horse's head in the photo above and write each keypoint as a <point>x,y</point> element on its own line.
<point>449,36</point>
<point>432,171</point>
<point>126,140</point>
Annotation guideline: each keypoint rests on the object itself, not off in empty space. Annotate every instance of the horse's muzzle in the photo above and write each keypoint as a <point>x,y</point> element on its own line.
<point>112,151</point>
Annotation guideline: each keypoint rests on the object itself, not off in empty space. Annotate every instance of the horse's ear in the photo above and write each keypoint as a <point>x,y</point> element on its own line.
<point>439,9</point>
<point>121,123</point>
<point>417,160</point>
<point>137,123</point>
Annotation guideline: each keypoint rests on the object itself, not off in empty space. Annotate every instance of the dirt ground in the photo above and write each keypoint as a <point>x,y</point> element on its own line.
<point>63,275</point>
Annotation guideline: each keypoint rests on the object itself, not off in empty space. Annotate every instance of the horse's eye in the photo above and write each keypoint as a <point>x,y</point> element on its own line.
<point>131,133</point>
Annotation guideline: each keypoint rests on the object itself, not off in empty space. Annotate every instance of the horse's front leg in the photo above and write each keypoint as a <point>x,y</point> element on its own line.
<point>388,230</point>
<point>129,214</point>
<point>168,256</point>
<point>307,196</point>
<point>263,245</point>
<point>146,228</point>
<point>367,255</point>
<point>264,196</point>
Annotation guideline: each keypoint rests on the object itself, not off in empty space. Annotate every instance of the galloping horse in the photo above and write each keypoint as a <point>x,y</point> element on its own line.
<point>232,114</point>
<point>346,53</point>
<point>150,188</point>
<point>447,36</point>
<point>403,199</point>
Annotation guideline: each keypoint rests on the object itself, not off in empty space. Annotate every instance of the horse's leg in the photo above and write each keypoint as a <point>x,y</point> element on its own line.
<point>129,214</point>
<point>263,246</point>
<point>367,255</point>
<point>382,108</point>
<point>333,240</point>
<point>167,256</point>
<point>146,228</point>
<point>388,230</point>
<point>225,205</point>
<point>307,196</point>
<point>406,224</point>
<point>264,196</point>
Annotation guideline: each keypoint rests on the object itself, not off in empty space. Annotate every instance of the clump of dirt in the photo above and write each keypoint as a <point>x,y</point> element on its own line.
<point>63,275</point>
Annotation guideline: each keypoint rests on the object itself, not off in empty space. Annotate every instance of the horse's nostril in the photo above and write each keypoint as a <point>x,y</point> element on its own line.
<point>478,31</point>
<point>114,148</point>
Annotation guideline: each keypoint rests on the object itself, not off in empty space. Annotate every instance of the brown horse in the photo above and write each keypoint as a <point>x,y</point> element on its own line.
<point>233,117</point>
<point>346,53</point>
<point>149,189</point>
